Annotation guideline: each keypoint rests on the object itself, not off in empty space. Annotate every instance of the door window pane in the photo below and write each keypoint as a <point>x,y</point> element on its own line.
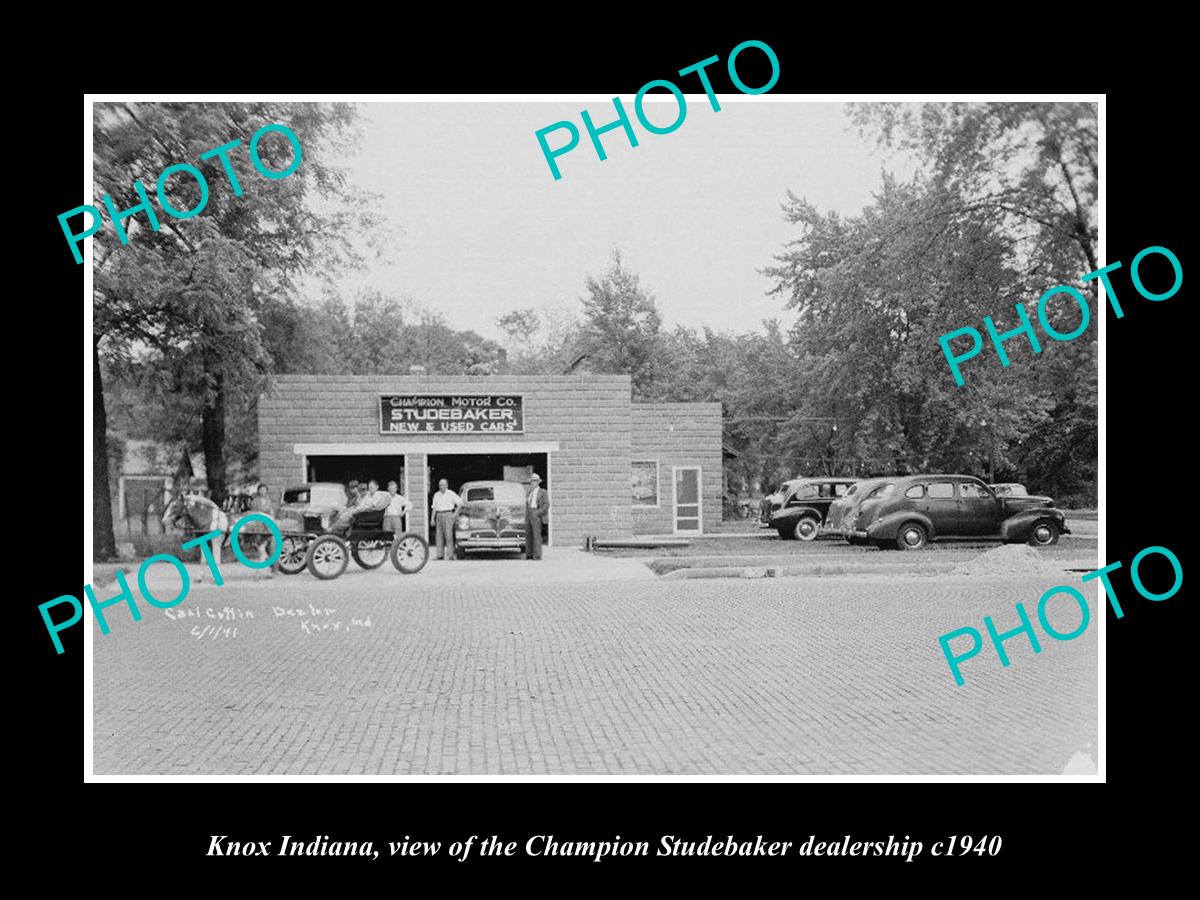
<point>941,490</point>
<point>687,486</point>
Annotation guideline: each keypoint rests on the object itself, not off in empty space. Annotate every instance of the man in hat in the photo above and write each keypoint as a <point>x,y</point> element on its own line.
<point>537,507</point>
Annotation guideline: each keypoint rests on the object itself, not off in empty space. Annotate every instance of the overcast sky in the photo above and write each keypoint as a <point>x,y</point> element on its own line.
<point>484,228</point>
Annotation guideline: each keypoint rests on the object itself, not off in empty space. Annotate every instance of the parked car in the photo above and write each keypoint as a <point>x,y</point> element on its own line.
<point>910,511</point>
<point>845,507</point>
<point>492,517</point>
<point>804,506</point>
<point>305,517</point>
<point>1018,493</point>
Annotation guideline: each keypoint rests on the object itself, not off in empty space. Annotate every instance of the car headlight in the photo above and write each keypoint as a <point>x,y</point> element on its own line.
<point>463,523</point>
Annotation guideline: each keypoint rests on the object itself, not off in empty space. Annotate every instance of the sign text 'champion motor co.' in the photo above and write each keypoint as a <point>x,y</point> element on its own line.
<point>451,414</point>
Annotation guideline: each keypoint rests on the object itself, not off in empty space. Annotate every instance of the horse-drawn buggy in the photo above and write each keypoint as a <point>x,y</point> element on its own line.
<point>314,537</point>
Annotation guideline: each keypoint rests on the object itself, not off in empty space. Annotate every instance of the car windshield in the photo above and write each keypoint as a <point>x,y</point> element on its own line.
<point>1011,490</point>
<point>509,493</point>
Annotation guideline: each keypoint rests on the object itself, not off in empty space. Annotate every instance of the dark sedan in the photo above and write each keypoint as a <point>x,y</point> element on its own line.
<point>910,511</point>
<point>804,504</point>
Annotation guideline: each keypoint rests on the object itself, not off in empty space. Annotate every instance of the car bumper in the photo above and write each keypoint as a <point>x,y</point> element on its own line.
<point>839,531</point>
<point>488,543</point>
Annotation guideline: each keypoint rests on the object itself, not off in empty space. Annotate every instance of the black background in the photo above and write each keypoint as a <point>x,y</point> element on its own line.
<point>1149,453</point>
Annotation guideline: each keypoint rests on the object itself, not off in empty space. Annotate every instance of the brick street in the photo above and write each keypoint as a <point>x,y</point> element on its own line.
<point>478,673</point>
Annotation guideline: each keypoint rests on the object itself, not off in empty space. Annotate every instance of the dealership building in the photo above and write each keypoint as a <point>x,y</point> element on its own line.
<point>613,467</point>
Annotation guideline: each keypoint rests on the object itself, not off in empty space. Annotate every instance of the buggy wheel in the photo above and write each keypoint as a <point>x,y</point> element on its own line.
<point>369,554</point>
<point>328,557</point>
<point>409,553</point>
<point>294,555</point>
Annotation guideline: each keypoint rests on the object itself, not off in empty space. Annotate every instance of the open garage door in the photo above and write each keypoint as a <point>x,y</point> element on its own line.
<point>459,468</point>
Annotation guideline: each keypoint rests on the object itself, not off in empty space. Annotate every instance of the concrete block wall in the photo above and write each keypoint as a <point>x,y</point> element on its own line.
<point>588,415</point>
<point>679,434</point>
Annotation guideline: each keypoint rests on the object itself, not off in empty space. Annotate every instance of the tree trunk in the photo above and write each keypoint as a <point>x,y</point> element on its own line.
<point>213,435</point>
<point>104,542</point>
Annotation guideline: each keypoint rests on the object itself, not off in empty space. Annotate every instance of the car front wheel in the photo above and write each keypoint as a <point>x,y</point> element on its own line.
<point>1043,534</point>
<point>911,536</point>
<point>806,529</point>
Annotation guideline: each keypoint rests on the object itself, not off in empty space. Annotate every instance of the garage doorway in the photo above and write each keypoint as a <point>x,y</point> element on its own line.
<point>343,469</point>
<point>458,468</point>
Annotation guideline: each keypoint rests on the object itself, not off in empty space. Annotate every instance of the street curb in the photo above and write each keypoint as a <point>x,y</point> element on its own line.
<point>793,571</point>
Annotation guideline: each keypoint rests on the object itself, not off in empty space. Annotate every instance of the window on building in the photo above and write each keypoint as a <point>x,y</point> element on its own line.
<point>643,480</point>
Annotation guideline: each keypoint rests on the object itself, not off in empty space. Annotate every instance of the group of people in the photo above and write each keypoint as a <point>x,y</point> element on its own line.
<point>361,498</point>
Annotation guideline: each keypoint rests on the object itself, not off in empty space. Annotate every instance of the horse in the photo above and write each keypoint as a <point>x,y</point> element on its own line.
<point>201,515</point>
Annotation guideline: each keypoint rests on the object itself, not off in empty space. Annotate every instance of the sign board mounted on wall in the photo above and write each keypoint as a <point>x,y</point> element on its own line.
<point>451,414</point>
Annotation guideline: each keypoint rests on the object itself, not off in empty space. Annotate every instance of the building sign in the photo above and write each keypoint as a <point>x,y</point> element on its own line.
<point>644,482</point>
<point>451,414</point>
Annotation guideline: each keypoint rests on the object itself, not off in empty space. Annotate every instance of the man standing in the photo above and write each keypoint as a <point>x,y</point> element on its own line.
<point>537,507</point>
<point>397,506</point>
<point>446,505</point>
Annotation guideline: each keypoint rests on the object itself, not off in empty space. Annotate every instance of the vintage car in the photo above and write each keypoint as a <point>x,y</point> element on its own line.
<point>910,511</point>
<point>306,516</point>
<point>842,507</point>
<point>1017,493</point>
<point>804,505</point>
<point>492,517</point>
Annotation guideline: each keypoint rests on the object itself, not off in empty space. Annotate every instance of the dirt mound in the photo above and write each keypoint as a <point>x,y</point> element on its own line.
<point>1009,559</point>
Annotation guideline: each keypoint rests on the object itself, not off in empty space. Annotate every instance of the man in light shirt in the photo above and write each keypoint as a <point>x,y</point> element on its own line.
<point>398,505</point>
<point>446,504</point>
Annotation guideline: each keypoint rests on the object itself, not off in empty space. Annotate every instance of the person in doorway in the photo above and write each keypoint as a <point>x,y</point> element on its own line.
<point>537,507</point>
<point>446,505</point>
<point>398,505</point>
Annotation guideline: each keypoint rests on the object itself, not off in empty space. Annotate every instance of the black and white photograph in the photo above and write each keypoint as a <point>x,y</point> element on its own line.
<point>537,438</point>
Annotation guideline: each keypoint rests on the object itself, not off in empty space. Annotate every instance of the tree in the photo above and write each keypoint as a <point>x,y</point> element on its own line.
<point>1031,167</point>
<point>545,342</point>
<point>873,293</point>
<point>186,298</point>
<point>621,327</point>
<point>1030,171</point>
